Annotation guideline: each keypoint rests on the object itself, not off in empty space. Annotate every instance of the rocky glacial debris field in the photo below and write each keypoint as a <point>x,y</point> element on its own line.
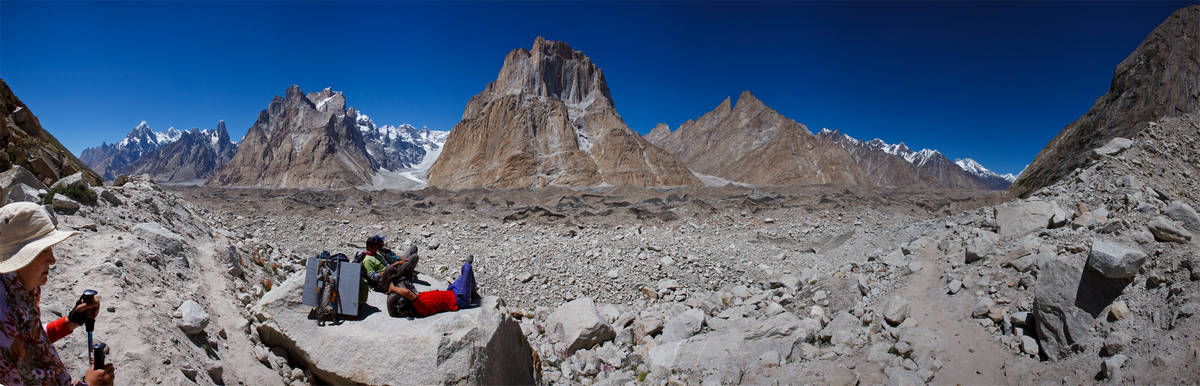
<point>1092,279</point>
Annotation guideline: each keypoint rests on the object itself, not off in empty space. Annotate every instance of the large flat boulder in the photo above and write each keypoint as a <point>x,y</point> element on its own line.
<point>1019,218</point>
<point>481,345</point>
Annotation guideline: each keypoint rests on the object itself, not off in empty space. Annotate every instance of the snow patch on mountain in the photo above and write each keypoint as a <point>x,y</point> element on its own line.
<point>974,167</point>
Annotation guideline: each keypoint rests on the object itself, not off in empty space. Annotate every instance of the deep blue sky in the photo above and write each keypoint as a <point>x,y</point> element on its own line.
<point>991,81</point>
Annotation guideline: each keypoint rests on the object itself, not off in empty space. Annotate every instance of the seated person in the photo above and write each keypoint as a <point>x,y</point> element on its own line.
<point>380,266</point>
<point>460,294</point>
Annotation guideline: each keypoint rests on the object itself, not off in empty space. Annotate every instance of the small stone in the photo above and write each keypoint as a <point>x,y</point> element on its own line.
<point>982,308</point>
<point>1110,366</point>
<point>1118,309</point>
<point>1116,343</point>
<point>896,310</point>
<point>954,286</point>
<point>1029,345</point>
<point>613,273</point>
<point>193,318</point>
<point>996,314</point>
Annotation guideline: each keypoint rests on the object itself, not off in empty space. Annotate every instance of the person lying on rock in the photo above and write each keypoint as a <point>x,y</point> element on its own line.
<point>460,294</point>
<point>27,354</point>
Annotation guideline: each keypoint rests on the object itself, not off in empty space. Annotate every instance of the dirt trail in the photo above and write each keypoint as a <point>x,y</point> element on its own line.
<point>237,352</point>
<point>970,354</point>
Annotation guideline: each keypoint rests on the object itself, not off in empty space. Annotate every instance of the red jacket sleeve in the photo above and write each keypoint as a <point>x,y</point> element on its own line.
<point>58,329</point>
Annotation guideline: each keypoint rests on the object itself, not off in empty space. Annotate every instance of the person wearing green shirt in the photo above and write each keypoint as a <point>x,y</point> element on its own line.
<point>382,267</point>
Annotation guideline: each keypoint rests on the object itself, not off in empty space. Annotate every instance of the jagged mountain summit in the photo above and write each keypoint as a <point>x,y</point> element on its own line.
<point>30,146</point>
<point>752,143</point>
<point>992,179</point>
<point>400,147</point>
<point>935,169</point>
<point>1159,79</point>
<point>549,120</point>
<point>194,157</point>
<point>171,156</point>
<point>301,140</point>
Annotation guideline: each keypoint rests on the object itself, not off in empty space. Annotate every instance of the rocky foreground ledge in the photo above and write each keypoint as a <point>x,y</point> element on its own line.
<point>482,345</point>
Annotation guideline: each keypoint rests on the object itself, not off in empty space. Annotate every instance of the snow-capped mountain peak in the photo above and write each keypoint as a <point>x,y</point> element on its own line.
<point>974,167</point>
<point>403,146</point>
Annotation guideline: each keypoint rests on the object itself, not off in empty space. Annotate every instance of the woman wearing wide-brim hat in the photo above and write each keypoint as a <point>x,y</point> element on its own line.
<point>27,355</point>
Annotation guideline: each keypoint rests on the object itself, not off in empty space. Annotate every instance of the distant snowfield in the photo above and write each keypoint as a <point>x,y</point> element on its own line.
<point>410,178</point>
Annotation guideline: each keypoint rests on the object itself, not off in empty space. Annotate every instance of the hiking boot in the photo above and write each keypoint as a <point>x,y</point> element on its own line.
<point>412,251</point>
<point>471,259</point>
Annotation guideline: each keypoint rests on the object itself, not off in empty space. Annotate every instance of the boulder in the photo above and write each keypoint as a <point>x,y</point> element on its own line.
<point>15,176</point>
<point>162,238</point>
<point>108,196</point>
<point>72,181</point>
<point>1166,230</point>
<point>683,326</point>
<point>192,317</point>
<point>480,345</point>
<point>980,246</point>
<point>734,349</point>
<point>1113,147</point>
<point>1019,218</point>
<point>1113,260</point>
<point>21,193</point>
<point>1183,213</point>
<point>1060,324</point>
<point>844,329</point>
<point>577,325</point>
<point>896,310</point>
<point>63,204</point>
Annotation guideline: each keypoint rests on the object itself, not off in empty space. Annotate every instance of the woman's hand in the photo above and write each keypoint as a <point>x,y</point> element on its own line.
<point>83,311</point>
<point>100,377</point>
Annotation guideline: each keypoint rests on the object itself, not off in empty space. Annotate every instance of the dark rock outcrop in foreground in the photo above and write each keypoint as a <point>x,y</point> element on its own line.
<point>30,146</point>
<point>549,119</point>
<point>482,345</point>
<point>1161,78</point>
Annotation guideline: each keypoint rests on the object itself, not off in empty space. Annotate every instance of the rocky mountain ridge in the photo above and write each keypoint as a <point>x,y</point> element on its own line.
<point>752,143</point>
<point>1160,78</point>
<point>939,171</point>
<point>992,179</point>
<point>549,120</point>
<point>171,156</point>
<point>30,146</point>
<point>301,140</point>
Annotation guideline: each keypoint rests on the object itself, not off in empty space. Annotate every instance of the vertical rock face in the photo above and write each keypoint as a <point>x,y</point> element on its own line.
<point>549,119</point>
<point>754,144</point>
<point>308,141</point>
<point>1161,78</point>
<point>196,155</point>
<point>27,144</point>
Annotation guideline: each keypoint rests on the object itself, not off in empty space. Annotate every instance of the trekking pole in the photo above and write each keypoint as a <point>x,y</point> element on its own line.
<point>89,296</point>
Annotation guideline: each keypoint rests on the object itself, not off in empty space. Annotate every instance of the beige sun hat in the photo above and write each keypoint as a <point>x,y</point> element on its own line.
<point>25,231</point>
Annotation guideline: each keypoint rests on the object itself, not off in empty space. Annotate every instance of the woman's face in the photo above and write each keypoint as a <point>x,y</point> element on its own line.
<point>37,271</point>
